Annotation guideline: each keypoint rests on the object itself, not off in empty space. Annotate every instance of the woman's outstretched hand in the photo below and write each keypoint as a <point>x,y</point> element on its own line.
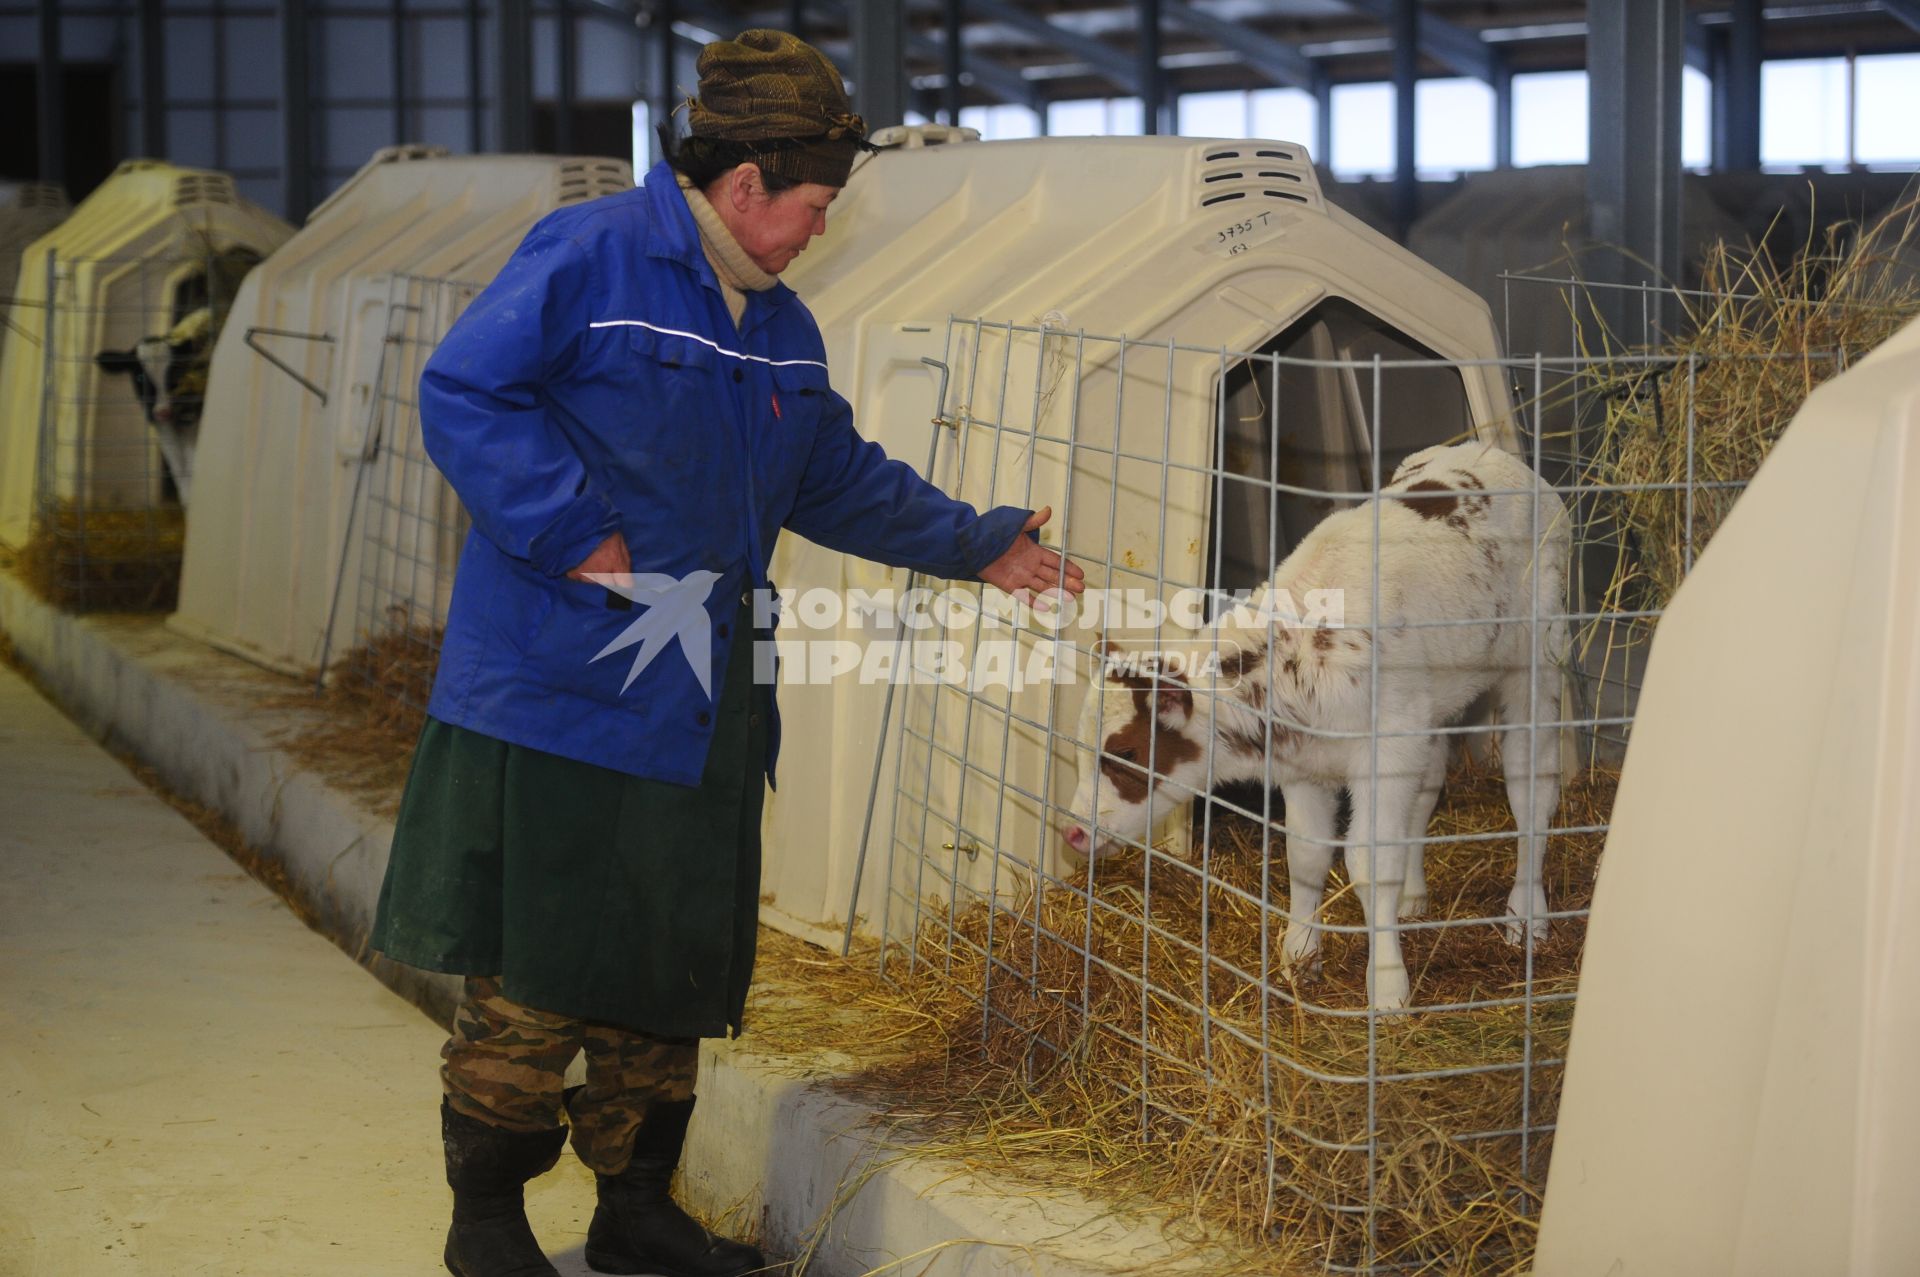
<point>1029,568</point>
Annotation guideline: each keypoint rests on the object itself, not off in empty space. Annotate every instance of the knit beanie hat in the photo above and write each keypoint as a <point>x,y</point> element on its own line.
<point>780,100</point>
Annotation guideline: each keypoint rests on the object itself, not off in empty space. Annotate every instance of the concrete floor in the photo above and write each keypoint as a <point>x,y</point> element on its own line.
<point>191,1082</point>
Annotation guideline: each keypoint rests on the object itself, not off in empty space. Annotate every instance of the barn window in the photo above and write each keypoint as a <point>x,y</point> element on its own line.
<point>1323,418</point>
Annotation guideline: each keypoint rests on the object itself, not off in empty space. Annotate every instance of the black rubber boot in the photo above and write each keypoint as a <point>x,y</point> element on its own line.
<point>637,1228</point>
<point>486,1168</point>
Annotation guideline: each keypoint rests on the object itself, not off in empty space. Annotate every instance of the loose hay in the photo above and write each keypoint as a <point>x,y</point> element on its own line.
<point>106,560</point>
<point>1760,339</point>
<point>1038,1083</point>
<point>375,703</point>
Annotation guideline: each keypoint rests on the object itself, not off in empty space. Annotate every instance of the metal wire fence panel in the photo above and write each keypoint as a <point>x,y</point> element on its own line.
<point>1620,432</point>
<point>1301,888</point>
<point>124,346</point>
<point>409,524</point>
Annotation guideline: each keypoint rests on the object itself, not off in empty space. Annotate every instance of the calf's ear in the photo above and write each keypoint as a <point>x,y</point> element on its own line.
<point>117,360</point>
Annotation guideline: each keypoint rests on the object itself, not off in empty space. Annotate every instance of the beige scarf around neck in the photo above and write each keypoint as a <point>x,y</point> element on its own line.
<point>736,272</point>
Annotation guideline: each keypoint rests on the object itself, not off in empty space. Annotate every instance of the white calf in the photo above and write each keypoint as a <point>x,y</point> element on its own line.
<point>1292,706</point>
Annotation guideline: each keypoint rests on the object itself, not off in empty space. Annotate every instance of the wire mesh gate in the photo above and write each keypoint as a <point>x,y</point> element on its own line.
<point>1181,477</point>
<point>407,525</point>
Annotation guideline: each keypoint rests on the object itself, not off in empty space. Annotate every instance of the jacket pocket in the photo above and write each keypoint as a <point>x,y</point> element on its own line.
<point>670,348</point>
<point>582,619</point>
<point>800,396</point>
<point>679,396</point>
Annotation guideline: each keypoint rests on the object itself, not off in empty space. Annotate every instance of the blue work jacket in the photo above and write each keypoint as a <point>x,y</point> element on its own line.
<point>599,384</point>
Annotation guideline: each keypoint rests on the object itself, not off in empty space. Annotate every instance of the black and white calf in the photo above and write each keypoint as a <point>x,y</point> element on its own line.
<point>170,377</point>
<point>1460,540</point>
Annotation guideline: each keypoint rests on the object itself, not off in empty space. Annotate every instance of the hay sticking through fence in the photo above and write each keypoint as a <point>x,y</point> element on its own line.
<point>1759,340</point>
<point>375,704</point>
<point>1047,1087</point>
<point>105,560</point>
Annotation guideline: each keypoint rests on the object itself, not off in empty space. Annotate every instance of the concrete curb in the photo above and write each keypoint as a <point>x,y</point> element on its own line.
<point>765,1139</point>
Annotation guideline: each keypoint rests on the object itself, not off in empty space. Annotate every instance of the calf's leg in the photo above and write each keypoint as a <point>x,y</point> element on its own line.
<point>1312,811</point>
<point>1531,758</point>
<point>1413,897</point>
<point>1383,815</point>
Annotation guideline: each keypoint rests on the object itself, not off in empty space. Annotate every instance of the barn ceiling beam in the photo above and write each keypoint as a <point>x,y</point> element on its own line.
<point>1907,11</point>
<point>1279,61</point>
<point>1445,42</point>
<point>1116,64</point>
<point>989,74</point>
<point>996,77</point>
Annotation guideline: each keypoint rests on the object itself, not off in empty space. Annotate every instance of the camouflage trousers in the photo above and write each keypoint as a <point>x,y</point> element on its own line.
<point>505,1064</point>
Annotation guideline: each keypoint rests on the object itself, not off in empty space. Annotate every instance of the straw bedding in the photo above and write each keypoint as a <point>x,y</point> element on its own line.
<point>106,560</point>
<point>1189,1131</point>
<point>376,704</point>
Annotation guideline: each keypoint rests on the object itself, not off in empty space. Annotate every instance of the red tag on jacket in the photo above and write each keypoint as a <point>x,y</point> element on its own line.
<point>776,406</point>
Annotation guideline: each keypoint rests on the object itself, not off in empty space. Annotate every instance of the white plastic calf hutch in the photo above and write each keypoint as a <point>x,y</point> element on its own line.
<point>1033,273</point>
<point>131,261</point>
<point>28,210</point>
<point>339,322</point>
<point>1740,1096</point>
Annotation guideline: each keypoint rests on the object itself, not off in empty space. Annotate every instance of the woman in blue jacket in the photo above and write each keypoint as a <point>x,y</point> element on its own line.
<point>631,413</point>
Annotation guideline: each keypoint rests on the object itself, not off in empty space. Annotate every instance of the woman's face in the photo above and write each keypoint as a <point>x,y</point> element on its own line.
<point>773,229</point>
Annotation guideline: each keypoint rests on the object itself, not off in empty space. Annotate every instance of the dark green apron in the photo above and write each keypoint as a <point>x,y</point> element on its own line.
<point>588,892</point>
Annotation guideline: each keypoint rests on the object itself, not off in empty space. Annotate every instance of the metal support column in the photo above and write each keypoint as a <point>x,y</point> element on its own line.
<point>1635,50</point>
<point>1405,31</point>
<point>953,59</point>
<point>879,61</point>
<point>567,57</point>
<point>217,84</point>
<point>797,17</point>
<point>397,30</point>
<point>1737,91</point>
<point>296,119</point>
<point>153,80</point>
<point>50,84</point>
<point>513,76</point>
<point>666,99</point>
<point>1502,113</point>
<point>1153,80</point>
<point>476,124</point>
<point>1322,120</point>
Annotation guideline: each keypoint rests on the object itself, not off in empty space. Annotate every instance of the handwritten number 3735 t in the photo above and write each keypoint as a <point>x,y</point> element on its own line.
<point>1243,228</point>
